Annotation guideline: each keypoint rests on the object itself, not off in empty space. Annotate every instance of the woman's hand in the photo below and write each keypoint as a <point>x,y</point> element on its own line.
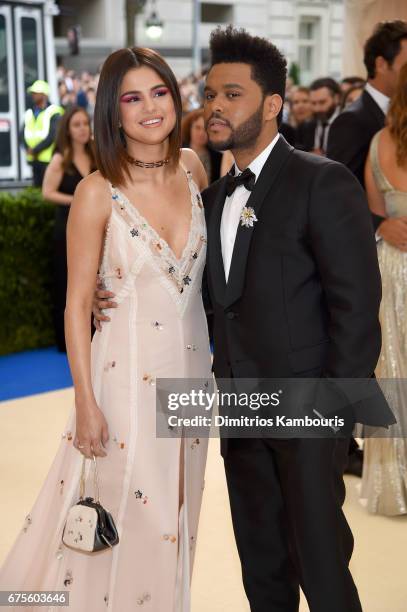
<point>92,432</point>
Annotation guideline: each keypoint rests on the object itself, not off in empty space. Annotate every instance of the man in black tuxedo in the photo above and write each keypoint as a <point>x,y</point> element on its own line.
<point>295,293</point>
<point>312,135</point>
<point>352,131</point>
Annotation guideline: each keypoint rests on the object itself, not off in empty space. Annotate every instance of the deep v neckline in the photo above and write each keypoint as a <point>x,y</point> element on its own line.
<point>143,221</point>
<point>176,274</point>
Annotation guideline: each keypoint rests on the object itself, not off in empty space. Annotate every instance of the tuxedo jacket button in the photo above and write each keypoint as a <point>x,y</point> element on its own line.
<point>231,315</point>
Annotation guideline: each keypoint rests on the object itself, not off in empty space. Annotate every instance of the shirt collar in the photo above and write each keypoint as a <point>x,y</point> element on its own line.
<point>331,118</point>
<point>381,100</point>
<point>256,166</point>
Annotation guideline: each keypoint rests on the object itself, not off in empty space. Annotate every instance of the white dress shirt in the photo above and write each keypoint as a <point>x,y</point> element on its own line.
<point>234,205</point>
<point>381,100</point>
<point>319,129</point>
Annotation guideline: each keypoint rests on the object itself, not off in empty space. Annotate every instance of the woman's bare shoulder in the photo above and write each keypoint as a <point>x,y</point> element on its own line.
<point>386,142</point>
<point>189,156</point>
<point>93,193</point>
<point>94,184</point>
<point>384,135</point>
<point>56,161</point>
<point>57,156</point>
<point>192,163</point>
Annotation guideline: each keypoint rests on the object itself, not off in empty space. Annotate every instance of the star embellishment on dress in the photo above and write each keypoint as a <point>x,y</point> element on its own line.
<point>247,217</point>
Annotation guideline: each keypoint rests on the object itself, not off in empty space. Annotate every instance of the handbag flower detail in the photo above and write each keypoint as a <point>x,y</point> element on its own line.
<point>247,217</point>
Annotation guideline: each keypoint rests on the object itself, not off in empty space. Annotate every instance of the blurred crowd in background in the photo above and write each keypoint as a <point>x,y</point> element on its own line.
<point>307,115</point>
<point>322,99</point>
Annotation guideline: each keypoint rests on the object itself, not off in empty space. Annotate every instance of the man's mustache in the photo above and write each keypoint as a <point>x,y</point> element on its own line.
<point>217,116</point>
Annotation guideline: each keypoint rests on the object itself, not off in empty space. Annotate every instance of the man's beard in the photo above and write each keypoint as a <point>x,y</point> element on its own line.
<point>244,136</point>
<point>325,116</point>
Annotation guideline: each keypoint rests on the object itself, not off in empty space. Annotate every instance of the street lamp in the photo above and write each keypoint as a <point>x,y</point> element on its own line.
<point>154,25</point>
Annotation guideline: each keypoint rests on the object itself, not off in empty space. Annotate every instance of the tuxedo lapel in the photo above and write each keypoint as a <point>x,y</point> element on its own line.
<point>374,109</point>
<point>214,257</point>
<point>263,185</point>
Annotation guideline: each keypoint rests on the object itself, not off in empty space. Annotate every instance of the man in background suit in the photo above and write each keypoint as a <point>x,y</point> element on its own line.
<point>285,305</point>
<point>352,131</point>
<point>312,135</point>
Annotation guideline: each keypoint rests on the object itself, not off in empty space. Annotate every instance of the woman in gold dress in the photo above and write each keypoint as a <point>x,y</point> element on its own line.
<point>384,482</point>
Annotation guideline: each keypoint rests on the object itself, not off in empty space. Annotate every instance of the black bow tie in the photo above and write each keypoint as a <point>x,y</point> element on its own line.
<point>247,178</point>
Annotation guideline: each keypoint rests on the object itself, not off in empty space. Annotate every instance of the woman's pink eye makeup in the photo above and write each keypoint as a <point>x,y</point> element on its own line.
<point>127,98</point>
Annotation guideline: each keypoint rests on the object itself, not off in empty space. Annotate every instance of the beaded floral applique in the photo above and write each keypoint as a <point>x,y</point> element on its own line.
<point>144,598</point>
<point>109,364</point>
<point>27,522</point>
<point>167,537</point>
<point>139,495</point>
<point>121,445</point>
<point>68,578</point>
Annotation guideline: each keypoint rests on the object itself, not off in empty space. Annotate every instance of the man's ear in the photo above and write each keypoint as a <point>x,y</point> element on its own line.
<point>272,106</point>
<point>381,65</point>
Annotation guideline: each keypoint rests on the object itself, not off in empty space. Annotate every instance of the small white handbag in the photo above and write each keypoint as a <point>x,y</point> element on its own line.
<point>89,527</point>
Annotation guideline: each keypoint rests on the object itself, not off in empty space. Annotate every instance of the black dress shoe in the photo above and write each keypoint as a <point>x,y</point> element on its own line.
<point>355,463</point>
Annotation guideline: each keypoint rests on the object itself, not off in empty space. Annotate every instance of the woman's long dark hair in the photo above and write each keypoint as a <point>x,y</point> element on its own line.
<point>63,142</point>
<point>111,155</point>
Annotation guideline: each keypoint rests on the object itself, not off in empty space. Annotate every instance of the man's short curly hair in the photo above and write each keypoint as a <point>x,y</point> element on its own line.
<point>269,66</point>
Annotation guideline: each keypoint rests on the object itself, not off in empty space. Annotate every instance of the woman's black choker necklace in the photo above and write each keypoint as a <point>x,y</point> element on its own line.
<point>141,164</point>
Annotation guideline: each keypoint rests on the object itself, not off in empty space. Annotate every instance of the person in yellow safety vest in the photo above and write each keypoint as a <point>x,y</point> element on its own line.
<point>40,128</point>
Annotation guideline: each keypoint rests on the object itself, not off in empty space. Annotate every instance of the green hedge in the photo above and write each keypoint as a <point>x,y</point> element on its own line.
<point>26,226</point>
<point>294,73</point>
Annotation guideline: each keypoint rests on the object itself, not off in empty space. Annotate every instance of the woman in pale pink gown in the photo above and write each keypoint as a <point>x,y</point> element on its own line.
<point>143,228</point>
